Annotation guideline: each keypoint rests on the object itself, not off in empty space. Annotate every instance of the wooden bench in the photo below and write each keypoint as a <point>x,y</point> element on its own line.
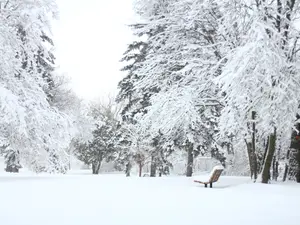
<point>214,177</point>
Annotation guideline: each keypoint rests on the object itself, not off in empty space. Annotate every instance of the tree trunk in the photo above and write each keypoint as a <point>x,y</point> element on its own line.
<point>292,170</point>
<point>97,165</point>
<point>140,168</point>
<point>93,168</point>
<point>275,169</point>
<point>286,168</point>
<point>252,160</point>
<point>255,166</point>
<point>293,164</point>
<point>160,171</point>
<point>298,166</point>
<point>190,162</point>
<point>249,151</point>
<point>261,164</point>
<point>269,157</point>
<point>253,145</point>
<point>153,167</point>
<point>128,169</point>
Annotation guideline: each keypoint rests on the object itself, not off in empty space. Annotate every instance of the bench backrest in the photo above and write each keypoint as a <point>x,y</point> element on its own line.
<point>216,175</point>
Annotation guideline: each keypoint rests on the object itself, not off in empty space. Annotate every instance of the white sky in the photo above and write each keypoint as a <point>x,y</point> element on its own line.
<point>90,37</point>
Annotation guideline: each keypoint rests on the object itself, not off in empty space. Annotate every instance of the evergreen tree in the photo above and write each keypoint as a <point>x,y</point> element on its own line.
<point>12,160</point>
<point>102,145</point>
<point>29,124</point>
<point>174,75</point>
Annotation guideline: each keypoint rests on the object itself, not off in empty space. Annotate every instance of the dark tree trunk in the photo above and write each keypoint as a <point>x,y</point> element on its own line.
<point>190,160</point>
<point>292,170</point>
<point>298,166</point>
<point>140,168</point>
<point>253,145</point>
<point>128,169</point>
<point>249,151</point>
<point>252,161</point>
<point>286,168</point>
<point>296,156</point>
<point>153,167</point>
<point>293,164</point>
<point>160,171</point>
<point>93,168</point>
<point>96,168</point>
<point>97,165</point>
<point>255,166</point>
<point>269,157</point>
<point>264,155</point>
<point>275,169</point>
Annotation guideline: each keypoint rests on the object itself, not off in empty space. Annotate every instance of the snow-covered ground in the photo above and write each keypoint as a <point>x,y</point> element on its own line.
<point>113,199</point>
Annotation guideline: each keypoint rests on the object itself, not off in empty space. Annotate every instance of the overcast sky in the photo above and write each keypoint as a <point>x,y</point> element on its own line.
<point>90,37</point>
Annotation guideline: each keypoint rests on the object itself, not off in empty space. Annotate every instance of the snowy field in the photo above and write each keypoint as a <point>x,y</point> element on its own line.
<point>113,199</point>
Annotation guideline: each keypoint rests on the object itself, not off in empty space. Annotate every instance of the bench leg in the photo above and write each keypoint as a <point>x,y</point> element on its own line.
<point>205,185</point>
<point>210,185</point>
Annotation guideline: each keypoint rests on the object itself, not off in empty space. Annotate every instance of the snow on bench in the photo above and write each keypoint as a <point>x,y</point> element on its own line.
<point>213,177</point>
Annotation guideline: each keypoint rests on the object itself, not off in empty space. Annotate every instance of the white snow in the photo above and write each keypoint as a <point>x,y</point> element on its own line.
<point>117,200</point>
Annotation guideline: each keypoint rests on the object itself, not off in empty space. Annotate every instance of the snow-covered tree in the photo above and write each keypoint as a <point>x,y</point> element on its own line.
<point>132,146</point>
<point>29,124</point>
<point>12,160</point>
<point>102,144</point>
<point>261,77</point>
<point>160,156</point>
<point>216,78</point>
<point>177,72</point>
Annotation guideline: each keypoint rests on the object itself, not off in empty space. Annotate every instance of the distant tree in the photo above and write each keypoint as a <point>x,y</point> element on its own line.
<point>132,147</point>
<point>124,156</point>
<point>102,145</point>
<point>12,160</point>
<point>159,156</point>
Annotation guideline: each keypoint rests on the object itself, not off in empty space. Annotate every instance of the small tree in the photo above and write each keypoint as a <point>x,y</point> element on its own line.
<point>12,160</point>
<point>102,144</point>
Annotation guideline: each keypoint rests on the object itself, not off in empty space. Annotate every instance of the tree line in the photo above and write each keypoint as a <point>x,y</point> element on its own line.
<point>203,78</point>
<point>214,78</point>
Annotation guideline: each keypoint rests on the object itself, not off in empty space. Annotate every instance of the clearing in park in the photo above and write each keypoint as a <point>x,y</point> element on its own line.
<point>113,199</point>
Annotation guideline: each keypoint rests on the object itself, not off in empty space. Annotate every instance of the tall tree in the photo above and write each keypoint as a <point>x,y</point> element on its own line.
<point>181,63</point>
<point>261,74</point>
<point>29,124</point>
